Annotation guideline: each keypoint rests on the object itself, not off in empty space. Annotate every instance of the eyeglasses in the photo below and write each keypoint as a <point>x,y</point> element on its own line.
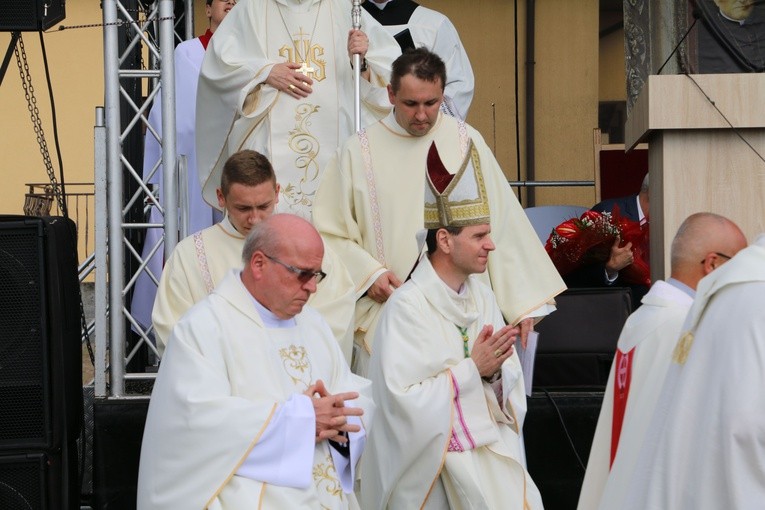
<point>726,257</point>
<point>303,275</point>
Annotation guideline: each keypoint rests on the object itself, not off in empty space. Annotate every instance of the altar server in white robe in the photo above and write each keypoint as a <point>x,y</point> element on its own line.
<point>415,26</point>
<point>254,405</point>
<point>445,373</point>
<point>706,450</point>
<point>278,79</point>
<point>369,204</point>
<point>187,62</point>
<point>248,193</point>
<point>703,243</point>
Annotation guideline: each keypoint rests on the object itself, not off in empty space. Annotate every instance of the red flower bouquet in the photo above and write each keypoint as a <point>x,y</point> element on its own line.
<point>588,239</point>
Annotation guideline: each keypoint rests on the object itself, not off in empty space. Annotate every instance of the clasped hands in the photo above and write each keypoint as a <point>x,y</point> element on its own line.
<point>332,413</point>
<point>491,349</point>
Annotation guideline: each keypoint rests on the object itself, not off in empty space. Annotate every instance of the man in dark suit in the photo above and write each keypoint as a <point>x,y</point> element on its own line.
<point>635,208</point>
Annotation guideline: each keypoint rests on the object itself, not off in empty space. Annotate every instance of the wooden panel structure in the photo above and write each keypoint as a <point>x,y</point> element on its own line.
<point>697,161</point>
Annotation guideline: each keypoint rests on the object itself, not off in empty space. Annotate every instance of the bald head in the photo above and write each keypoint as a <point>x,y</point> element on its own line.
<point>703,242</point>
<point>279,232</point>
<point>282,258</point>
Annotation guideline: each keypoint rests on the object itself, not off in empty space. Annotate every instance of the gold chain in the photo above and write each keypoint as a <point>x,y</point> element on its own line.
<point>289,32</point>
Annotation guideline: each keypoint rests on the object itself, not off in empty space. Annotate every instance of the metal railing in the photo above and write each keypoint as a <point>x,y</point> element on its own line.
<point>40,200</point>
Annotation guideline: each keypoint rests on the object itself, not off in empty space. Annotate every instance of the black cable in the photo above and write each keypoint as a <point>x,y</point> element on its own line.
<point>517,110</point>
<point>565,430</point>
<point>735,130</point>
<point>63,205</point>
<point>696,16</point>
<point>64,208</point>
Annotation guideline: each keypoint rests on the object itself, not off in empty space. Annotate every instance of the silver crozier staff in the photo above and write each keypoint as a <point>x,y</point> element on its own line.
<point>356,18</point>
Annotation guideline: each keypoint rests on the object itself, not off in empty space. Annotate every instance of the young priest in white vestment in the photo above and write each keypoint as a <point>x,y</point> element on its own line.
<point>445,374</point>
<point>369,205</point>
<point>254,405</point>
<point>247,194</point>
<point>416,26</point>
<point>704,242</point>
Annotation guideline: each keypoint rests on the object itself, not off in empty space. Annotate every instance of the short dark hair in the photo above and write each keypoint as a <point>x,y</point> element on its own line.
<point>209,2</point>
<point>246,167</point>
<point>420,62</point>
<point>430,238</point>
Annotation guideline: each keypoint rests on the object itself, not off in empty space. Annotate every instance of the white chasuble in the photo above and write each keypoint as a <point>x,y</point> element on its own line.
<point>238,110</point>
<point>442,433</point>
<point>198,263</point>
<point>705,450</point>
<point>222,393</point>
<point>650,334</point>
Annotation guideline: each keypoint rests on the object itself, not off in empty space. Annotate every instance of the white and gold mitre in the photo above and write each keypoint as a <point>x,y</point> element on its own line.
<point>455,200</point>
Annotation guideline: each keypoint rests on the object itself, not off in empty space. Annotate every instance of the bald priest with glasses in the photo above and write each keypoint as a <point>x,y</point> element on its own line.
<point>255,405</point>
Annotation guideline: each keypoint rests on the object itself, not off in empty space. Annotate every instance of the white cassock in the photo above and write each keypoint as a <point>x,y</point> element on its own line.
<point>228,425</point>
<point>643,354</point>
<point>442,433</point>
<point>201,261</point>
<point>370,206</point>
<point>238,110</point>
<point>432,30</point>
<point>188,59</point>
<point>706,449</point>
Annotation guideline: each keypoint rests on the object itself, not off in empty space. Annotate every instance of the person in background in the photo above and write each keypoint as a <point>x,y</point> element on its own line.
<point>415,26</point>
<point>703,243</point>
<point>621,255</point>
<point>278,80</point>
<point>248,193</point>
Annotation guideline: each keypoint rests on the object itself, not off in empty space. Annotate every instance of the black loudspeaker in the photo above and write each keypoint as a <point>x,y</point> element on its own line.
<point>117,441</point>
<point>577,342</point>
<point>30,15</point>
<point>558,433</point>
<point>40,363</point>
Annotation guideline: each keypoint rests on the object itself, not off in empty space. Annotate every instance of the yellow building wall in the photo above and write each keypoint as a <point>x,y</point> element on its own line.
<point>75,60</point>
<point>612,81</point>
<point>566,86</point>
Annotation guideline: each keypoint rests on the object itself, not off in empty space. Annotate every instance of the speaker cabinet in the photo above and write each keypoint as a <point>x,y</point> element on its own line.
<point>40,363</point>
<point>558,433</point>
<point>578,341</point>
<point>30,15</point>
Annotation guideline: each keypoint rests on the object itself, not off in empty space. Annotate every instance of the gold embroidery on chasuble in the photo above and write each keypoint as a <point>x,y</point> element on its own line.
<point>296,364</point>
<point>683,348</point>
<point>303,51</point>
<point>325,478</point>
<point>300,140</point>
<point>306,146</point>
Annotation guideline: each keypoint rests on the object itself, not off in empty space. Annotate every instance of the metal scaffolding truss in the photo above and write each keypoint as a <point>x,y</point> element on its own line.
<point>139,39</point>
